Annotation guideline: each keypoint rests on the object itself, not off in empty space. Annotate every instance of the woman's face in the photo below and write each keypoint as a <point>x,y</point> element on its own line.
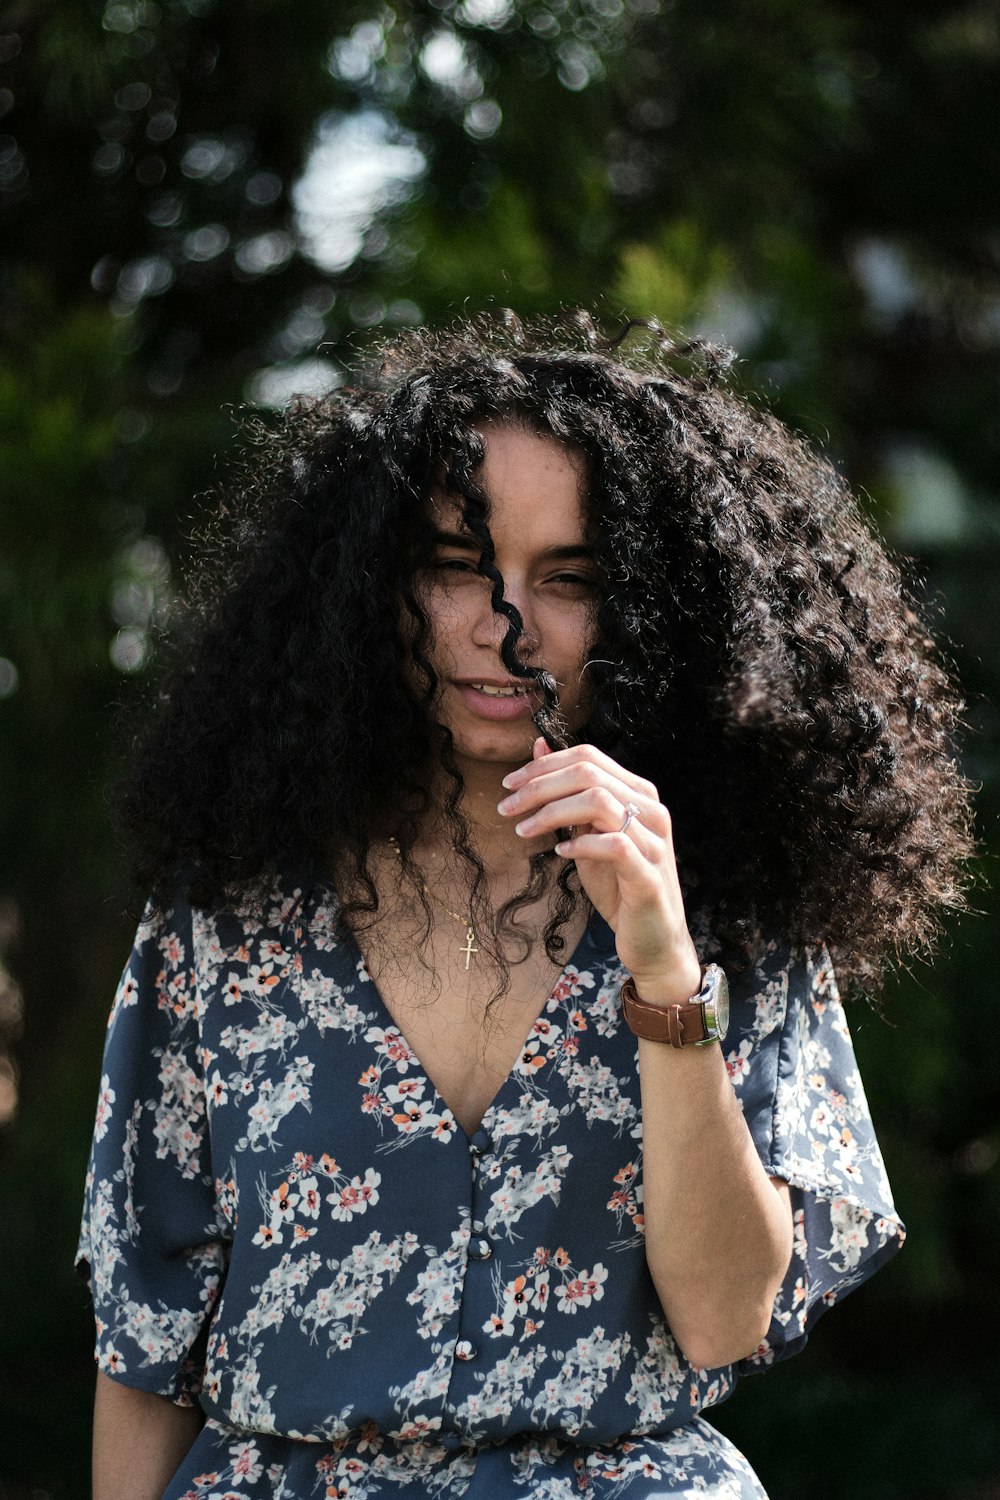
<point>537,522</point>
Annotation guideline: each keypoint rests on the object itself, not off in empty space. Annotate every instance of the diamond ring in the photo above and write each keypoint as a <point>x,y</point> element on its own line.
<point>631,811</point>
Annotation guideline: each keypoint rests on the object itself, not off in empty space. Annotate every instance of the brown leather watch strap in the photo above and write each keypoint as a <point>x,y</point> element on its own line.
<point>680,1025</point>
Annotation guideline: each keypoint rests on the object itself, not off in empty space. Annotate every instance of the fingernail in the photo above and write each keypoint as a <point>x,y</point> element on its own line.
<point>561,848</point>
<point>508,780</point>
<point>506,804</point>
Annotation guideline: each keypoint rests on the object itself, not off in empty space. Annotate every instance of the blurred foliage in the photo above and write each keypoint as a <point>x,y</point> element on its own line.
<point>205,203</point>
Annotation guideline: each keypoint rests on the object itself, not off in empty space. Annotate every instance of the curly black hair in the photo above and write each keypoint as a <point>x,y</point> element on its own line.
<point>758,656</point>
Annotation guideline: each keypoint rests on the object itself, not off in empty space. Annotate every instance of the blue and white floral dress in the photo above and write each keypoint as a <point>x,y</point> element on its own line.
<point>285,1222</point>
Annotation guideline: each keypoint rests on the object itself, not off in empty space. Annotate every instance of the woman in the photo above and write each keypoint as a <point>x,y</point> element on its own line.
<point>538,690</point>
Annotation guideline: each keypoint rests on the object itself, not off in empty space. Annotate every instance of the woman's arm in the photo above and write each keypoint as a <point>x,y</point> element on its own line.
<point>139,1441</point>
<point>718,1230</point>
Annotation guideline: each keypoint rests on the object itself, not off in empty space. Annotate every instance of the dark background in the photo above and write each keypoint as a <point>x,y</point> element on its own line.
<point>210,204</point>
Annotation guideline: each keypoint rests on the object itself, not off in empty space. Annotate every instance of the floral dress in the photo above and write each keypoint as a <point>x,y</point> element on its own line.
<point>285,1223</point>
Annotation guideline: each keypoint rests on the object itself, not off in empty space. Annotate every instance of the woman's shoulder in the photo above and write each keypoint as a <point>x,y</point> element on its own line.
<point>276,914</point>
<point>754,956</point>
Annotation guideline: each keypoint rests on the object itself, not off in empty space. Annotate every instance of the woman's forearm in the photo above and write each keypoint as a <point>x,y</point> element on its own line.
<point>718,1229</point>
<point>139,1441</point>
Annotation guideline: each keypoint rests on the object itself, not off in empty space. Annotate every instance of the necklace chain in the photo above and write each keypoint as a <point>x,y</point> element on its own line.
<point>470,932</point>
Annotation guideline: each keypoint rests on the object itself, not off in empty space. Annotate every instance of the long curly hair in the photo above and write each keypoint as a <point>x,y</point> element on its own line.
<point>757,654</point>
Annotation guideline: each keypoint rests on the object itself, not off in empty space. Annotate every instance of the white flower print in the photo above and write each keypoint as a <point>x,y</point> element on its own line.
<point>523,1299</point>
<point>390,1043</point>
<point>501,1324</point>
<point>517,1299</point>
<point>249,1406</point>
<point>521,1190</point>
<point>105,1100</point>
<point>533,1115</point>
<point>358,1279</point>
<point>105,1251</point>
<point>438,1289</point>
<point>583,1375</point>
<point>331,1006</point>
<point>501,1389</point>
<point>738,1064</point>
<point>227,1196</point>
<point>130,1156</point>
<point>626,1202</point>
<point>180,1113</point>
<point>232,992</point>
<point>570,986</point>
<point>850,1234</point>
<point>158,1335</point>
<point>658,1378</point>
<point>246,1462</point>
<point>605,1010</point>
<point>427,1384</point>
<point>355,1196</point>
<point>275,1099</point>
<point>272,1031</point>
<point>309,1198</point>
<point>127,994</point>
<point>581,1290</point>
<point>261,979</point>
<point>217,1094</point>
<point>600,1095</point>
<point>405,1103</point>
<point>279,1293</point>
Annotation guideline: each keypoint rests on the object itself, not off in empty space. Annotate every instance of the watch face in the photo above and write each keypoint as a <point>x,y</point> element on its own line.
<point>716,1002</point>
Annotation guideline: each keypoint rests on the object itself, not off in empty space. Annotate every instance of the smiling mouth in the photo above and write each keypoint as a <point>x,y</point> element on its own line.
<point>502,692</point>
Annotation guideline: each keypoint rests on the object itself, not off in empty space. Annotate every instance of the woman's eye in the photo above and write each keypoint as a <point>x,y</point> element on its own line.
<point>576,580</point>
<point>455,565</point>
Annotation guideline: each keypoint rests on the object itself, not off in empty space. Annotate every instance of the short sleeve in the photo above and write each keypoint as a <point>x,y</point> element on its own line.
<point>152,1245</point>
<point>792,1064</point>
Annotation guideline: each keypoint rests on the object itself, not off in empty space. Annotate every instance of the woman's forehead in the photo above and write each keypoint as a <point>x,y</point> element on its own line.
<point>555,521</point>
<point>522,471</point>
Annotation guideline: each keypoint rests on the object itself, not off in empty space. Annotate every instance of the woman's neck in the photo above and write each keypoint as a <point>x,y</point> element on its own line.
<point>503,853</point>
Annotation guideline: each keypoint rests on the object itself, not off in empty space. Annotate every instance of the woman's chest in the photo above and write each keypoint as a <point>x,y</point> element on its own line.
<point>304,1057</point>
<point>466,1039</point>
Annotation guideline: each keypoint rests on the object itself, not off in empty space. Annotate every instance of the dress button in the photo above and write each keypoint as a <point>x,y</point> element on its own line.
<point>480,1249</point>
<point>451,1440</point>
<point>465,1350</point>
<point>481,1145</point>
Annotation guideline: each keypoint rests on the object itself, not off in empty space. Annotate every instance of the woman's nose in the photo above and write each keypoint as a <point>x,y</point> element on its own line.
<point>491,627</point>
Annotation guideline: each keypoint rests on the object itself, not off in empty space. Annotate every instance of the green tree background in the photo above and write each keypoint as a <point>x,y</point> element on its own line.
<point>207,205</point>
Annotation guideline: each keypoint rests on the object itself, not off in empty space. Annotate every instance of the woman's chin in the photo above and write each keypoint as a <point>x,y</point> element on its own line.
<point>496,744</point>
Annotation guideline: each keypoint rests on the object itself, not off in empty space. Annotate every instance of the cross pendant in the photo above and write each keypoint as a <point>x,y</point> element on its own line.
<point>468,950</point>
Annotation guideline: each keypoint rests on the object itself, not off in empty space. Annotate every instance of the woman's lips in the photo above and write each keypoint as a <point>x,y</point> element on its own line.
<point>492,706</point>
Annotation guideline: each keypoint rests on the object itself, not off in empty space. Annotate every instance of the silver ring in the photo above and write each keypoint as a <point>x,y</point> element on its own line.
<point>631,811</point>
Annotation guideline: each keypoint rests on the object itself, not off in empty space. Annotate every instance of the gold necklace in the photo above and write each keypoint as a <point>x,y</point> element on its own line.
<point>470,932</point>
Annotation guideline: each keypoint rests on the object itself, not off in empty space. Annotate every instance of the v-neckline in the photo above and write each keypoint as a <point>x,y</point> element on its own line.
<point>361,964</point>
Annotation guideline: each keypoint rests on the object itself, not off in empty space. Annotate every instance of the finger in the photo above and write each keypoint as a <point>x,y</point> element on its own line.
<point>617,849</point>
<point>579,755</point>
<point>575,780</point>
<point>540,748</point>
<point>597,809</point>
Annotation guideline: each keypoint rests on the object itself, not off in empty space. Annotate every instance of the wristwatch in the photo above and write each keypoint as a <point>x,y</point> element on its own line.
<point>703,1019</point>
